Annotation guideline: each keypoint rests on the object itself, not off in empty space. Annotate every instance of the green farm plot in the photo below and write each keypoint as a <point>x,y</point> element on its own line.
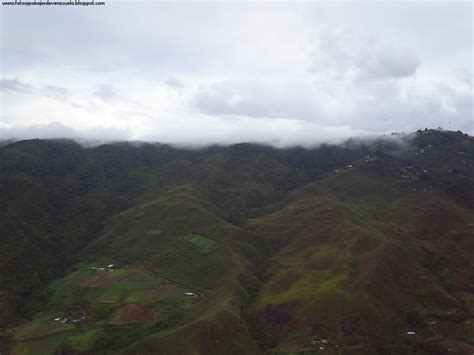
<point>94,286</point>
<point>85,341</point>
<point>141,296</point>
<point>41,327</point>
<point>117,293</point>
<point>202,242</point>
<point>154,232</point>
<point>69,289</point>
<point>126,285</point>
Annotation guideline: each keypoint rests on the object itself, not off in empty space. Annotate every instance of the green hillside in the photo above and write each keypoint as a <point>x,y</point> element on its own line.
<point>361,248</point>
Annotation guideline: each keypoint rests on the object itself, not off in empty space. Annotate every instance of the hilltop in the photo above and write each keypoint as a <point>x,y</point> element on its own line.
<point>363,247</point>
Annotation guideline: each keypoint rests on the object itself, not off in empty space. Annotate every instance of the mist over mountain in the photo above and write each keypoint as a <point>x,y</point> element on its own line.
<point>308,137</point>
<point>217,178</point>
<point>362,247</point>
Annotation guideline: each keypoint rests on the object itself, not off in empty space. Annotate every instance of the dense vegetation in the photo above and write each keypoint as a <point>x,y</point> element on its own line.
<point>361,248</point>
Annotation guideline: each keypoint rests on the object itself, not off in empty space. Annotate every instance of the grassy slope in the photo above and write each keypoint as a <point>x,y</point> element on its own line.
<point>363,258</point>
<point>220,268</point>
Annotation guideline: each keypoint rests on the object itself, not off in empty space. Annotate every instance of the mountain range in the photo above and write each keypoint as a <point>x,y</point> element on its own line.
<point>363,247</point>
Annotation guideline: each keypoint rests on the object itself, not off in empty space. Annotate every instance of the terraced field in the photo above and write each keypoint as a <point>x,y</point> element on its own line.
<point>89,303</point>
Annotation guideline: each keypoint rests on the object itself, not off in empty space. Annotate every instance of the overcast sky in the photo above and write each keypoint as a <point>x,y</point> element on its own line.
<point>195,73</point>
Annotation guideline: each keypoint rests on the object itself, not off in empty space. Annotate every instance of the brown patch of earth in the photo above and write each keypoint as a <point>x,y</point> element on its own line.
<point>133,313</point>
<point>165,291</point>
<point>133,275</point>
<point>107,278</point>
<point>90,281</point>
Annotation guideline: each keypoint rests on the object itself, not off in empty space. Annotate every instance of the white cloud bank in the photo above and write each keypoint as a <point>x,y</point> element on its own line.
<point>193,73</point>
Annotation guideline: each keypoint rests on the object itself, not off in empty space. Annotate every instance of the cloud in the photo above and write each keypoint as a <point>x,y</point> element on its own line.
<point>269,98</point>
<point>370,105</point>
<point>61,94</point>
<point>388,64</point>
<point>216,72</point>
<point>174,83</point>
<point>105,92</point>
<point>15,85</point>
<point>340,55</point>
<point>276,132</point>
<point>56,92</point>
<point>58,130</point>
<point>234,129</point>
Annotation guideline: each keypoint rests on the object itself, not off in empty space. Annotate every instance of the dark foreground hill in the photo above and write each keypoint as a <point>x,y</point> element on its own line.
<point>361,248</point>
